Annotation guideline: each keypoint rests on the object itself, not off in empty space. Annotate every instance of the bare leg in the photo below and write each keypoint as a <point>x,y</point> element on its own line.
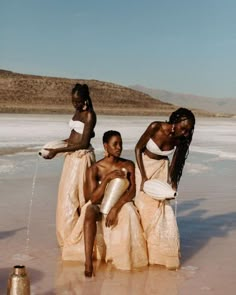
<point>90,229</point>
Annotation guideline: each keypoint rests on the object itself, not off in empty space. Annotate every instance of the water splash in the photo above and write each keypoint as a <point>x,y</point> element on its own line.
<point>190,268</point>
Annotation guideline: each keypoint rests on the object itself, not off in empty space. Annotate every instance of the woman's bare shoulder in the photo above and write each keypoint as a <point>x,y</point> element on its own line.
<point>155,125</point>
<point>126,163</point>
<point>153,128</point>
<point>90,116</point>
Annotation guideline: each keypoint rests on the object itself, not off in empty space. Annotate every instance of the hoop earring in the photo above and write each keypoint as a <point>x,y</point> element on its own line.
<point>85,107</point>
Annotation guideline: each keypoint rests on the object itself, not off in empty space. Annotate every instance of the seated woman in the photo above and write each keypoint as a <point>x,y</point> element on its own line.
<point>79,155</point>
<point>160,140</point>
<point>118,237</point>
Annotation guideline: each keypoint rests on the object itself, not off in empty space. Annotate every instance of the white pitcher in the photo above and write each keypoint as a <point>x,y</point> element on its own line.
<point>114,190</point>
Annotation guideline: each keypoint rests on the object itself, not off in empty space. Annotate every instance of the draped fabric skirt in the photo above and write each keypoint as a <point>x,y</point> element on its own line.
<point>71,191</point>
<point>123,245</point>
<point>158,219</point>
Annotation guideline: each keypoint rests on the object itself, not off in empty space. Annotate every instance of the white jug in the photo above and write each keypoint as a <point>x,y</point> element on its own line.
<point>114,190</point>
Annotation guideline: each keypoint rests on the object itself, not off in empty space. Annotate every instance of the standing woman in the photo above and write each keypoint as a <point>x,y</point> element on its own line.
<point>160,140</point>
<point>79,155</point>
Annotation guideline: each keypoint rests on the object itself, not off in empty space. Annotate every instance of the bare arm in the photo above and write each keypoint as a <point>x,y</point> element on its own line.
<point>140,148</point>
<point>94,191</point>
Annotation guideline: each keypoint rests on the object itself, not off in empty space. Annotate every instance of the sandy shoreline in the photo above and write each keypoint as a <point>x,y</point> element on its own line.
<point>206,219</point>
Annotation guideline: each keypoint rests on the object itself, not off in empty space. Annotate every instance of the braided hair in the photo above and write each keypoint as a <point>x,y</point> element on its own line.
<point>83,91</point>
<point>182,149</point>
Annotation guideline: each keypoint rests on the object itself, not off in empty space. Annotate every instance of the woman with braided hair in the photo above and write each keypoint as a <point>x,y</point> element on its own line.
<point>159,141</point>
<point>79,155</point>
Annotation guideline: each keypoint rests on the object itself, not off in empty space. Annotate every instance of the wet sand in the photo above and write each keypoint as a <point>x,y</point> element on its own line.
<point>206,217</point>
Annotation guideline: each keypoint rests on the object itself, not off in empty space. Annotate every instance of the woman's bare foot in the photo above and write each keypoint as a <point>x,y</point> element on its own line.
<point>88,272</point>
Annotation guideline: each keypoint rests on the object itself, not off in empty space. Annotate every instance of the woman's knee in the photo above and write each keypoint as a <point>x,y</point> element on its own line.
<point>91,213</point>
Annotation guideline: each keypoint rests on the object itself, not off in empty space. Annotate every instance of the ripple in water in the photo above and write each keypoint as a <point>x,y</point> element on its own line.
<point>22,257</point>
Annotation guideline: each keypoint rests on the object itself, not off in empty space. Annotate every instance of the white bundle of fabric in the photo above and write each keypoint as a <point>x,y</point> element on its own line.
<point>159,190</point>
<point>52,145</point>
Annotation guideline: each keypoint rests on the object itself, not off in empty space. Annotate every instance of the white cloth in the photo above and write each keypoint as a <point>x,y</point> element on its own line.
<point>154,148</point>
<point>78,126</point>
<point>71,191</point>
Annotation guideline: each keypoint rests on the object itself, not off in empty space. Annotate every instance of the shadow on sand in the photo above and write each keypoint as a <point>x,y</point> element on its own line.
<point>197,229</point>
<point>9,233</point>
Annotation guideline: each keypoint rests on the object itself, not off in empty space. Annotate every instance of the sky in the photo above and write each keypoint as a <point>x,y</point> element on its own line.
<point>185,46</point>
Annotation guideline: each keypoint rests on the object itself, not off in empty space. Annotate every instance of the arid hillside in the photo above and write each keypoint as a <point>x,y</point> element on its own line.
<point>21,93</point>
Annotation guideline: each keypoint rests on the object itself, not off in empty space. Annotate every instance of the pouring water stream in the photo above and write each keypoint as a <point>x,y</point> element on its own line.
<point>25,255</point>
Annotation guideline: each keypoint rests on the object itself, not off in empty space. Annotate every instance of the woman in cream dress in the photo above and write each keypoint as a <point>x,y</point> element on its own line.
<point>79,155</point>
<point>158,142</point>
<point>116,236</point>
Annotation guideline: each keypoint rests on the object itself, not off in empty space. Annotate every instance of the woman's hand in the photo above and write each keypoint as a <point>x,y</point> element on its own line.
<point>112,219</point>
<point>52,153</point>
<point>118,173</point>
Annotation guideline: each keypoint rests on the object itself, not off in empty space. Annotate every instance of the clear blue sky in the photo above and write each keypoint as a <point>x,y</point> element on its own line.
<point>184,46</point>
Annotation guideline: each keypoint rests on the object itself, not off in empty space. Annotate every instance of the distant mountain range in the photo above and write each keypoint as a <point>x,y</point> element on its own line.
<point>216,105</point>
<point>21,93</point>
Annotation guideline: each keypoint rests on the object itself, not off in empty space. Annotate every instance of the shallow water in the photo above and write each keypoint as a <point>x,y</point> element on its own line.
<point>206,211</point>
<point>213,136</point>
<point>26,134</point>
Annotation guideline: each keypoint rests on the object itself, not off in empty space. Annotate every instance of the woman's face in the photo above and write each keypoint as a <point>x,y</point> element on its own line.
<point>183,128</point>
<point>77,101</point>
<point>114,146</point>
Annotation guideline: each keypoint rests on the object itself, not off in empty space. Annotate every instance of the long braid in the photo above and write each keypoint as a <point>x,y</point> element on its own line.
<point>182,149</point>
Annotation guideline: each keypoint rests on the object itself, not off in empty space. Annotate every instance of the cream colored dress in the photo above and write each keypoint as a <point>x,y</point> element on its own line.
<point>158,219</point>
<point>71,191</point>
<point>123,245</point>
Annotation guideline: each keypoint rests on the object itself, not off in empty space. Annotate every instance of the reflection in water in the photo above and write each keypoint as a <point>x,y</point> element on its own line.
<point>70,279</point>
<point>149,280</point>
